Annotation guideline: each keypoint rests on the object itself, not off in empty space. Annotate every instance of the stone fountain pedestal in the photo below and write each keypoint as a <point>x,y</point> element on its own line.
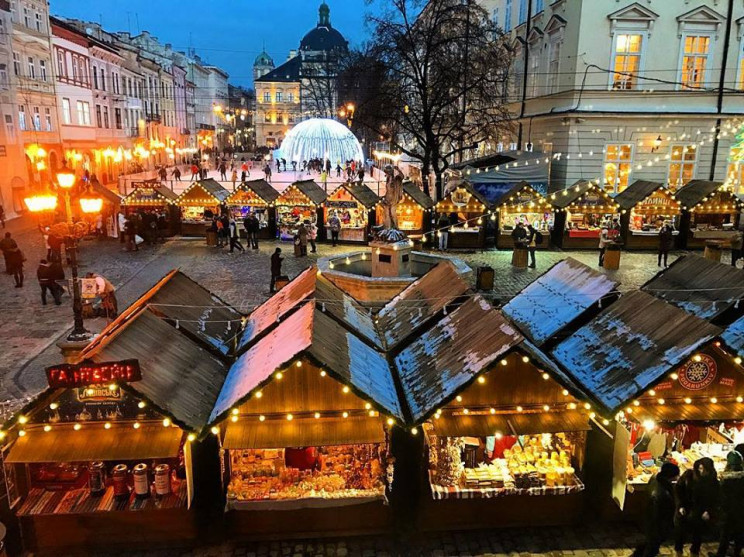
<point>391,259</point>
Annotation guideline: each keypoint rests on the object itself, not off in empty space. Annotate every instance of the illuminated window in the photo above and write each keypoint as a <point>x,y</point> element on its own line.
<point>617,166</point>
<point>66,117</point>
<point>695,60</point>
<point>681,165</point>
<point>278,96</point>
<point>267,97</point>
<point>627,61</point>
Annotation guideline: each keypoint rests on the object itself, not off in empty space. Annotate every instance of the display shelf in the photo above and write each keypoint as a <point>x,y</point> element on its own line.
<point>439,492</point>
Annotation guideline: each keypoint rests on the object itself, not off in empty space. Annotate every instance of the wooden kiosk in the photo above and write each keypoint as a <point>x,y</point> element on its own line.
<point>255,197</point>
<point>414,211</point>
<point>153,197</point>
<point>200,202</point>
<point>467,211</point>
<point>353,203</point>
<point>299,202</point>
<point>710,211</point>
<point>522,203</point>
<point>644,208</point>
<point>580,211</point>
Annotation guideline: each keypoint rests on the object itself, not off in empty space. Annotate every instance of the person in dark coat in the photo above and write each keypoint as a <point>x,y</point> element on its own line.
<point>665,242</point>
<point>697,500</point>
<point>519,234</point>
<point>732,505</point>
<point>276,268</point>
<point>660,511</point>
<point>234,236</point>
<point>45,274</point>
<point>14,262</point>
<point>7,244</point>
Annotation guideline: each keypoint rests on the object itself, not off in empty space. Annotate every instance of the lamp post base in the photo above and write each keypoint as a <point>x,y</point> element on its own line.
<point>71,349</point>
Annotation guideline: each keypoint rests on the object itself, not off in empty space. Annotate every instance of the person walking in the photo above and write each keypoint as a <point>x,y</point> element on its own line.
<point>531,241</point>
<point>176,174</point>
<point>54,243</point>
<point>234,178</point>
<point>665,242</point>
<point>660,511</point>
<point>338,170</point>
<point>45,275</point>
<point>604,240</point>
<point>697,500</point>
<point>223,171</point>
<point>334,225</point>
<point>324,180</point>
<point>7,244</point>
<point>276,268</point>
<point>251,229</point>
<point>732,505</point>
<point>302,237</point>
<point>2,216</point>
<point>130,232</point>
<point>14,263</point>
<point>163,173</point>
<point>106,291</point>
<point>737,244</point>
<point>443,231</point>
<point>312,235</point>
<point>194,173</point>
<point>267,173</point>
<point>234,237</point>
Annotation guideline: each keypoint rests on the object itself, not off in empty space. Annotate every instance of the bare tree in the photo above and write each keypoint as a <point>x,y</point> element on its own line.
<point>443,67</point>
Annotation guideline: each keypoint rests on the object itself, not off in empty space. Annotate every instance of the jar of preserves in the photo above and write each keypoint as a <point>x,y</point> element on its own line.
<point>97,478</point>
<point>141,481</point>
<point>162,480</point>
<point>119,481</point>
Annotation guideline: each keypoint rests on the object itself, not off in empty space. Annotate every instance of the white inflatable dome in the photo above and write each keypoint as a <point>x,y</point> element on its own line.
<point>321,138</point>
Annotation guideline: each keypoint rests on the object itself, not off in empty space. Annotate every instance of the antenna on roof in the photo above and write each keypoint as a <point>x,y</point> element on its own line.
<point>136,15</point>
<point>129,23</point>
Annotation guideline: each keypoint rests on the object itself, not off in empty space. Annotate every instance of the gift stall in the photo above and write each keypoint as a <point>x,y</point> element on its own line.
<point>199,203</point>
<point>413,211</point>
<point>467,211</point>
<point>644,208</point>
<point>93,460</point>
<point>581,211</point>
<point>710,211</point>
<point>154,198</point>
<point>255,197</point>
<point>522,203</point>
<point>304,430</point>
<point>644,359</point>
<point>299,202</point>
<point>353,204</point>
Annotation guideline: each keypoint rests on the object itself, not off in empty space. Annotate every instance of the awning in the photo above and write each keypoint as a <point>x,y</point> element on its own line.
<point>250,433</point>
<point>695,412</point>
<point>548,422</point>
<point>92,442</point>
<point>471,426</point>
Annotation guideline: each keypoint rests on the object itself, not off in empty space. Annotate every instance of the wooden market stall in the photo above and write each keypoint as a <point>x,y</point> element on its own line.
<point>710,211</point>
<point>255,197</point>
<point>353,203</point>
<point>644,208</point>
<point>300,202</point>
<point>580,211</point>
<point>304,429</point>
<point>522,203</point>
<point>151,197</point>
<point>413,211</point>
<point>199,203</point>
<point>636,343</point>
<point>467,211</point>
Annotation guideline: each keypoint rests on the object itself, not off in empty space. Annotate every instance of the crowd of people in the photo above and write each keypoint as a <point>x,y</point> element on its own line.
<point>148,227</point>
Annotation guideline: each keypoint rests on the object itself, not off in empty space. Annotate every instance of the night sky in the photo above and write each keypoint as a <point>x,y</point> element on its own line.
<point>230,35</point>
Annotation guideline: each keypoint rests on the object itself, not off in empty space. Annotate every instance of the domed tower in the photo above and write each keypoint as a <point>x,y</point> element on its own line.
<point>262,65</point>
<point>324,38</point>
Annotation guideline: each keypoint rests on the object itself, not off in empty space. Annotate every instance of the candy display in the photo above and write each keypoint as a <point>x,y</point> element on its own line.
<point>326,472</point>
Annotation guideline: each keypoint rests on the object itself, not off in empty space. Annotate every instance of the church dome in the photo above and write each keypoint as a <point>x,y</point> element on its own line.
<point>263,59</point>
<point>324,37</point>
<point>321,138</point>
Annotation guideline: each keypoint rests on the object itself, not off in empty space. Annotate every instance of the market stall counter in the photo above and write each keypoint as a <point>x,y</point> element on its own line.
<point>522,203</point>
<point>200,202</point>
<point>300,202</point>
<point>580,212</point>
<point>353,203</point>
<point>710,211</point>
<point>467,211</point>
<point>644,208</point>
<point>305,443</point>
<point>154,198</point>
<point>413,211</point>
<point>88,463</point>
<point>255,197</point>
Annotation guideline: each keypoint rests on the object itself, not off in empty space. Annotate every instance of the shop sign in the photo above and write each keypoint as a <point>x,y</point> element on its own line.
<point>92,373</point>
<point>145,194</point>
<point>99,393</point>
<point>460,197</point>
<point>88,288</point>
<point>294,198</point>
<point>340,204</point>
<point>592,199</point>
<point>697,375</point>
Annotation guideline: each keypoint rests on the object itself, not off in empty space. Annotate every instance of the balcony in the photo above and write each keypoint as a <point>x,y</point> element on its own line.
<point>153,118</point>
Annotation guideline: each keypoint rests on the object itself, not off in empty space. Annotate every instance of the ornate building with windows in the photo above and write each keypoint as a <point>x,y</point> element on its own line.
<point>305,86</point>
<point>623,90</point>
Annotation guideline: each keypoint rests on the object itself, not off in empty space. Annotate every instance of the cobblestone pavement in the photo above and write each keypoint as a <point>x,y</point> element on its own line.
<point>617,541</point>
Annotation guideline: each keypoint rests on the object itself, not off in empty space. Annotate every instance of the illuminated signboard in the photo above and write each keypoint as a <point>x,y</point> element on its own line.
<point>92,373</point>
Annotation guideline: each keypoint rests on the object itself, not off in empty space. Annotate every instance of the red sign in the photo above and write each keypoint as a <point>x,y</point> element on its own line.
<point>698,373</point>
<point>91,373</point>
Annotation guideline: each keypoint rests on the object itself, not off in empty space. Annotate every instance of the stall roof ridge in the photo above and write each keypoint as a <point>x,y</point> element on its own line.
<point>557,298</point>
<point>167,193</point>
<point>417,194</point>
<point>637,192</point>
<point>468,186</point>
<point>572,193</point>
<point>362,193</point>
<point>694,191</point>
<point>260,187</point>
<point>700,286</point>
<point>213,187</point>
<point>629,346</point>
<point>311,189</point>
